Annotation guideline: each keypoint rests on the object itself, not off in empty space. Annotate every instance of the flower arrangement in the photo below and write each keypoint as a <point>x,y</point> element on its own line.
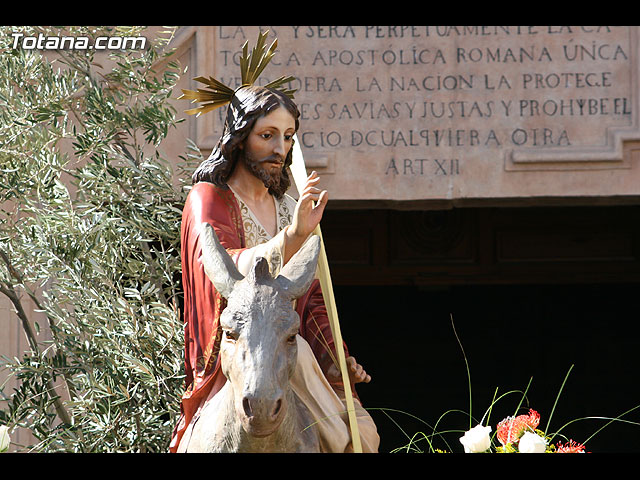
<point>514,434</point>
<point>519,434</point>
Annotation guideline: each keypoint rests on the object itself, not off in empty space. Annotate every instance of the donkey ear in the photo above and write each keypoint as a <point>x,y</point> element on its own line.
<point>296,276</point>
<point>217,263</point>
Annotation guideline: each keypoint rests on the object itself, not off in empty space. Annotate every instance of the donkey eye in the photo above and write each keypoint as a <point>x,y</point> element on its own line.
<point>291,339</point>
<point>231,336</point>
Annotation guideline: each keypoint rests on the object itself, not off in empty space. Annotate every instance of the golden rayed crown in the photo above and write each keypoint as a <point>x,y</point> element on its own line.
<point>251,66</point>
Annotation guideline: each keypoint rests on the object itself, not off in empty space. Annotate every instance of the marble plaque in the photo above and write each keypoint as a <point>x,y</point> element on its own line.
<point>457,114</point>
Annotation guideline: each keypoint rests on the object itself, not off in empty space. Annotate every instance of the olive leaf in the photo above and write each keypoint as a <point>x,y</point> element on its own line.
<point>90,214</point>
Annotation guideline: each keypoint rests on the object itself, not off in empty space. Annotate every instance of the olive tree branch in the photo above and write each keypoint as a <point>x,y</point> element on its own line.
<point>9,291</point>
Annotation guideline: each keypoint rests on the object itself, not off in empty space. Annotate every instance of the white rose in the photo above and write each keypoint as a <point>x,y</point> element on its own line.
<point>531,443</point>
<point>476,440</point>
<point>4,438</point>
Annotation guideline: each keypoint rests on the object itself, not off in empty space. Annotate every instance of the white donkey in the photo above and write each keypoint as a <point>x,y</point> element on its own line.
<point>256,410</point>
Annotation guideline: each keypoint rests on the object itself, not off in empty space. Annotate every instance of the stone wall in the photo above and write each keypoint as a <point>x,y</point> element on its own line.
<point>441,115</point>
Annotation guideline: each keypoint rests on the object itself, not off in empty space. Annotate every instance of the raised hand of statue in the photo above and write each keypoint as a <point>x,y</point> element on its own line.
<point>357,373</point>
<point>309,208</point>
<point>306,216</point>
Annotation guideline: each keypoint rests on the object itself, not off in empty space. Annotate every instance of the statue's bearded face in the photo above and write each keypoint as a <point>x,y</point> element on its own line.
<point>266,169</point>
<point>268,144</point>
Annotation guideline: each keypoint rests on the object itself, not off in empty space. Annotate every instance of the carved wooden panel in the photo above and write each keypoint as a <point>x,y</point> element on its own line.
<point>483,245</point>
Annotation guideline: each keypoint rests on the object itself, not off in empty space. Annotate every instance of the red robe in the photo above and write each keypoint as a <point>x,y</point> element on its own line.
<point>203,305</point>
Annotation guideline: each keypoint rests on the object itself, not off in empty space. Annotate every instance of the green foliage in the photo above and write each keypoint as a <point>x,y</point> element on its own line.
<point>89,233</point>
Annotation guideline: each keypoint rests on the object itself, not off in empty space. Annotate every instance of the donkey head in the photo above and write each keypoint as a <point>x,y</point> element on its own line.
<point>258,349</point>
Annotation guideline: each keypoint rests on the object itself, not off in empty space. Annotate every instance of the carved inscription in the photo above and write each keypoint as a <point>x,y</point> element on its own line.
<point>437,102</point>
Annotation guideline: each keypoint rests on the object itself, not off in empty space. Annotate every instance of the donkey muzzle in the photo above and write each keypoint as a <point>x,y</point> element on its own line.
<point>262,415</point>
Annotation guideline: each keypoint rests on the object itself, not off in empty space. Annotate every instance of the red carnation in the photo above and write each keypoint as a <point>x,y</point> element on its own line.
<point>511,429</point>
